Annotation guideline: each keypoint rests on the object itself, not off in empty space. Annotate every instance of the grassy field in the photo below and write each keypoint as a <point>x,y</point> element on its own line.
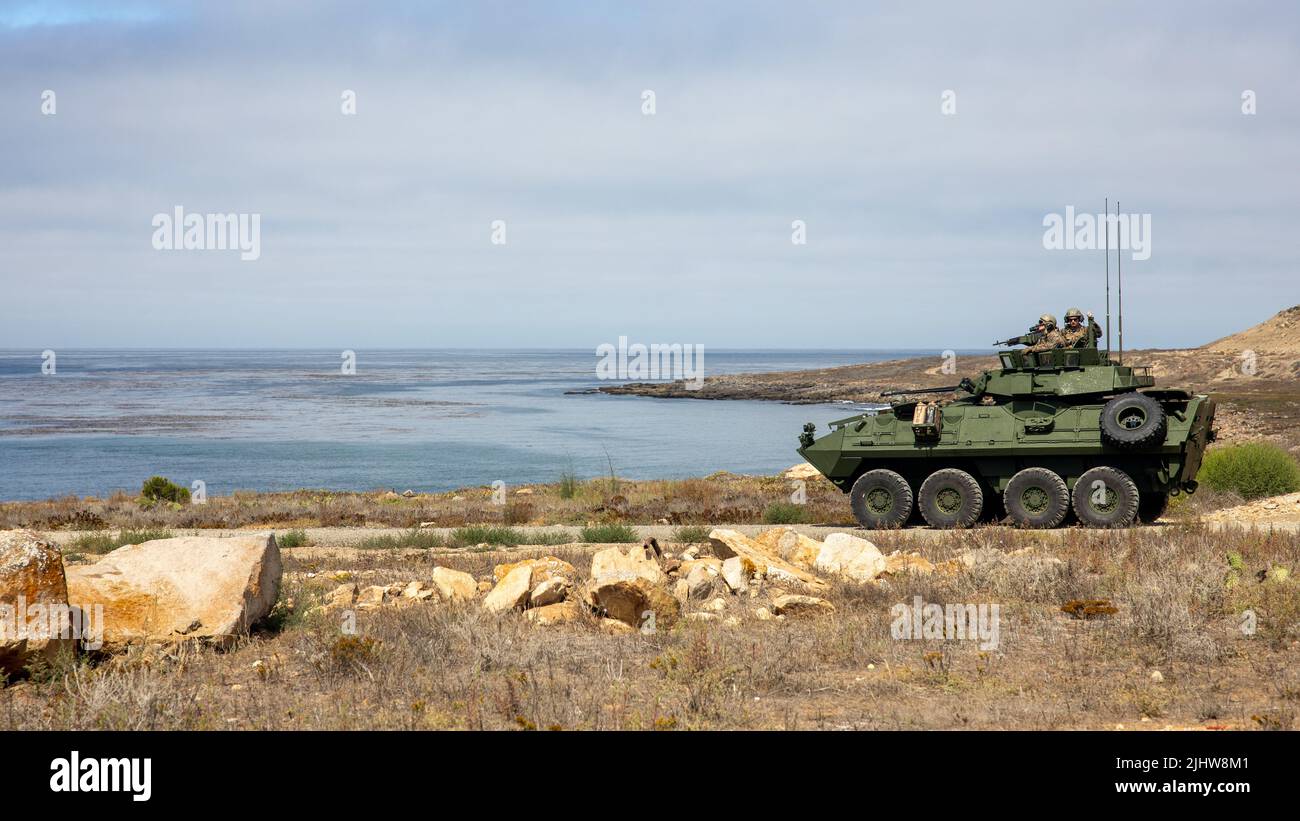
<point>1171,654</point>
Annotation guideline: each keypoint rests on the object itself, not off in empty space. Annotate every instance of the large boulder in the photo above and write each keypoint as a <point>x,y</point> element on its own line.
<point>511,592</point>
<point>544,568</point>
<point>614,564</point>
<point>737,571</point>
<point>699,582</point>
<point>558,613</point>
<point>630,600</point>
<point>796,548</point>
<point>31,577</point>
<point>552,591</point>
<point>851,557</point>
<point>193,587</point>
<point>454,585</point>
<point>728,543</point>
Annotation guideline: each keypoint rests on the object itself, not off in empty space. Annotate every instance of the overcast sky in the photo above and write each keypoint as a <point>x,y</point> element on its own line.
<point>924,229</point>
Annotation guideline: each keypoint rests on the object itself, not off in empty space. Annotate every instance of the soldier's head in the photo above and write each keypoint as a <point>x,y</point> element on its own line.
<point>1073,318</point>
<point>1047,322</point>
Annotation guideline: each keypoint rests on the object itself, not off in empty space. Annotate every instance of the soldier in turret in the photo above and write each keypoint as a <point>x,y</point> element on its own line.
<point>1051,336</point>
<point>1046,323</point>
<point>1076,334</point>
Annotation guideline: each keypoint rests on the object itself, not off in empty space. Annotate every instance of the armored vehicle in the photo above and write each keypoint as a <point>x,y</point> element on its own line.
<point>1045,434</point>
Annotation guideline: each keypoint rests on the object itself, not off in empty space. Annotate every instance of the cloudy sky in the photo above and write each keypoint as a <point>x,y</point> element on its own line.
<point>924,228</point>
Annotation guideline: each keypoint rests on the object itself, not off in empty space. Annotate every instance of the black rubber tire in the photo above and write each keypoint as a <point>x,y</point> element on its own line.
<point>1133,421</point>
<point>881,499</point>
<point>950,498</point>
<point>1120,498</point>
<point>1037,498</point>
<point>1152,506</point>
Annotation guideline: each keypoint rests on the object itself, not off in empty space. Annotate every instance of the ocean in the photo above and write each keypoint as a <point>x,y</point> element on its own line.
<point>427,420</point>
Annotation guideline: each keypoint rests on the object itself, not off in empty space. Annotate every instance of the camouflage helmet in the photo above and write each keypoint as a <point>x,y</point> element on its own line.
<point>1074,312</point>
<point>1048,320</point>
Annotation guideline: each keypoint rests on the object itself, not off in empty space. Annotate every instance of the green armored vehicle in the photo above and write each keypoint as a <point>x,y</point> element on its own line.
<point>1046,433</point>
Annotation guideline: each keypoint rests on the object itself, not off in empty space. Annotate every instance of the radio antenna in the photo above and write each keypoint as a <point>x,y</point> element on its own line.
<point>1106,219</point>
<point>1119,274</point>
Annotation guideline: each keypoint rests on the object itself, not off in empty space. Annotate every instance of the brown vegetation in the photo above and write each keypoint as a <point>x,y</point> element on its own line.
<point>1172,653</point>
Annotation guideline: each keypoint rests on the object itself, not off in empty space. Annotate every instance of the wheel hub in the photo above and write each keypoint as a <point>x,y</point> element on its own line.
<point>879,500</point>
<point>1035,500</point>
<point>948,500</point>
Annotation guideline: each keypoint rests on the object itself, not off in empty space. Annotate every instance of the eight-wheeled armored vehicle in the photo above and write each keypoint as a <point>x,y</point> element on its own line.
<point>1045,434</point>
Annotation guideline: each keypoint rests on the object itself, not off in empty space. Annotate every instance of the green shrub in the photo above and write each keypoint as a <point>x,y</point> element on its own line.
<point>602,534</point>
<point>785,513</point>
<point>1252,470</point>
<point>159,489</point>
<point>421,539</point>
<point>99,543</point>
<point>472,535</point>
<point>691,534</point>
<point>568,485</point>
<point>294,538</point>
<point>551,537</point>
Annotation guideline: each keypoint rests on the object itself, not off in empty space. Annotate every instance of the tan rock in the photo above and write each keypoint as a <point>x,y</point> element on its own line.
<point>543,568</point>
<point>851,557</point>
<point>615,627</point>
<point>511,593</point>
<point>373,597</point>
<point>699,582</point>
<point>727,543</point>
<point>716,605</point>
<point>701,616</point>
<point>613,563</point>
<point>688,567</point>
<point>629,601</point>
<point>737,571</point>
<point>763,614</point>
<point>453,585</point>
<point>551,591</point>
<point>795,605</point>
<point>343,596</point>
<point>31,576</point>
<point>191,587</point>
<point>908,563</point>
<point>558,613</point>
<point>420,591</point>
<point>732,621</point>
<point>484,586</point>
<point>682,592</point>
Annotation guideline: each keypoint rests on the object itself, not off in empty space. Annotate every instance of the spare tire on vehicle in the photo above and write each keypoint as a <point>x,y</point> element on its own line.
<point>1133,421</point>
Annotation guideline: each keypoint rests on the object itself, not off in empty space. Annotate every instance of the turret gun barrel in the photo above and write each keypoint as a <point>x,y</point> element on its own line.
<point>964,385</point>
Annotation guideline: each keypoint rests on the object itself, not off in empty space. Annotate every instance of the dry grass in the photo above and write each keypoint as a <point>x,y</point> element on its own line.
<point>442,666</point>
<point>722,497</point>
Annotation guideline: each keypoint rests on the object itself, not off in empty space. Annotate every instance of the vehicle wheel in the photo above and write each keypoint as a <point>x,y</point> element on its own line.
<point>1037,498</point>
<point>951,498</point>
<point>1152,506</point>
<point>1132,421</point>
<point>881,498</point>
<point>1105,497</point>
